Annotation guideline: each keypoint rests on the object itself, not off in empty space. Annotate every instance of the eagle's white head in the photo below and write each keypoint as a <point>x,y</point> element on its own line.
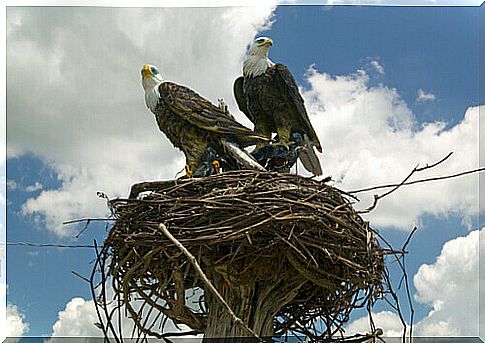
<point>257,60</point>
<point>150,80</point>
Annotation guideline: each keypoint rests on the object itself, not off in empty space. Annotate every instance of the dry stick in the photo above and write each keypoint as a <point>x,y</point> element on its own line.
<point>100,261</point>
<point>393,293</point>
<point>197,267</point>
<point>80,276</point>
<point>416,169</point>
<point>103,291</point>
<point>75,221</point>
<point>86,225</point>
<point>477,170</point>
<point>408,292</point>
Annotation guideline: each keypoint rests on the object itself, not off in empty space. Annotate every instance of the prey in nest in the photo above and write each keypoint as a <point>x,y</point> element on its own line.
<point>281,250</point>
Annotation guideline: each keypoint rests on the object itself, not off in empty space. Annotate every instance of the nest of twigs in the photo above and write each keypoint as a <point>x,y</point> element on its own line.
<point>244,227</point>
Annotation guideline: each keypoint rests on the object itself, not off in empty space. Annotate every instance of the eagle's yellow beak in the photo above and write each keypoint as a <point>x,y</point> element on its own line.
<point>269,42</point>
<point>146,72</point>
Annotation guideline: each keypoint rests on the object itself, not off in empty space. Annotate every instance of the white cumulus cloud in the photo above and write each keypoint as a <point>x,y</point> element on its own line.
<point>423,96</point>
<point>450,286</point>
<point>388,321</point>
<point>79,318</point>
<point>85,115</point>
<point>12,319</point>
<point>35,187</point>
<point>370,137</point>
<point>377,67</point>
<point>15,325</point>
<point>75,97</point>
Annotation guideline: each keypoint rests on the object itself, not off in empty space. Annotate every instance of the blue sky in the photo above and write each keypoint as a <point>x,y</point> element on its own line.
<point>435,48</point>
<point>40,280</point>
<point>401,49</point>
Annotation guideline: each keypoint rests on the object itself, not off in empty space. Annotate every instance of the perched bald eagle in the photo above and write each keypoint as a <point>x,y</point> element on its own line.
<point>194,125</point>
<point>267,93</point>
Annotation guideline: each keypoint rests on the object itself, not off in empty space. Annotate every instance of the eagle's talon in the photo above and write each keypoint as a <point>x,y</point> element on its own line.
<point>285,145</point>
<point>188,171</point>
<point>217,167</point>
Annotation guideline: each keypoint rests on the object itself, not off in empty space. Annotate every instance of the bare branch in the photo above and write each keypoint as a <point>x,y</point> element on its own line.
<point>416,169</point>
<point>472,171</point>
<point>206,280</point>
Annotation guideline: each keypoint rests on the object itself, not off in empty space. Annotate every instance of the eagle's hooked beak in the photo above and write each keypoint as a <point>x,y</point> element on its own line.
<point>146,72</point>
<point>269,42</point>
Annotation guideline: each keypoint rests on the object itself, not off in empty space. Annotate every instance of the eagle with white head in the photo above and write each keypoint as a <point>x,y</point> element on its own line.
<point>267,93</point>
<point>194,125</point>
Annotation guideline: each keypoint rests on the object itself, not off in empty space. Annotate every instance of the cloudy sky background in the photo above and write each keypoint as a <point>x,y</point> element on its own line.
<point>386,88</point>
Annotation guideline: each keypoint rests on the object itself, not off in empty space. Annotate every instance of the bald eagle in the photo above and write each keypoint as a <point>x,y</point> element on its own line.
<point>267,93</point>
<point>194,125</point>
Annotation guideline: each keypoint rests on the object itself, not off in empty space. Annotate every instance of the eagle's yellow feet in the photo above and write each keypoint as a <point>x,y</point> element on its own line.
<point>217,166</point>
<point>188,171</point>
<point>283,144</point>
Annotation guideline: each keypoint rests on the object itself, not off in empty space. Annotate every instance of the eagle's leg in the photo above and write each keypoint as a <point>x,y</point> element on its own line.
<point>194,152</point>
<point>217,166</point>
<point>188,170</point>
<point>284,134</point>
<point>191,165</point>
<point>263,130</point>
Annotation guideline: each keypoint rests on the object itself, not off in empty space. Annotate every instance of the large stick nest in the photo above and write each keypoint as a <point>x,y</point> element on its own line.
<point>249,227</point>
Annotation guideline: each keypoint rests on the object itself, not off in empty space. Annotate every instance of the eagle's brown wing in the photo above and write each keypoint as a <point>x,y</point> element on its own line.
<point>196,110</point>
<point>241,98</point>
<point>287,84</point>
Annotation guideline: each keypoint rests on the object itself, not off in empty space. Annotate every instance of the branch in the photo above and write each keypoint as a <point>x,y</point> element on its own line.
<point>416,169</point>
<point>418,181</point>
<point>75,221</point>
<point>435,164</point>
<point>211,287</point>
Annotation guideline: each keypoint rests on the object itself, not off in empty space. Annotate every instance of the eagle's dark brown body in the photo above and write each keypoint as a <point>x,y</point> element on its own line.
<point>191,123</point>
<point>274,104</point>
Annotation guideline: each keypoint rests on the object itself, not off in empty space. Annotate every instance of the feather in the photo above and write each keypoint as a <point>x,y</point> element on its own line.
<point>309,158</point>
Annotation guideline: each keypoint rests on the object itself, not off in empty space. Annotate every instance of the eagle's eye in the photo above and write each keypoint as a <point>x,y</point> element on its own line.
<point>154,71</point>
<point>260,40</point>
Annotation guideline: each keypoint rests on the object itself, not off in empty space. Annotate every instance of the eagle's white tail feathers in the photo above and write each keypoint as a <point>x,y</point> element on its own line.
<point>309,158</point>
<point>241,156</point>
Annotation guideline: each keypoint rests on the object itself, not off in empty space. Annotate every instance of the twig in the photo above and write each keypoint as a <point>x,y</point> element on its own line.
<point>75,221</point>
<point>206,280</point>
<point>80,276</point>
<point>85,227</point>
<point>93,289</point>
<point>436,163</point>
<point>478,170</point>
<point>416,169</point>
<point>409,239</point>
<point>406,279</point>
